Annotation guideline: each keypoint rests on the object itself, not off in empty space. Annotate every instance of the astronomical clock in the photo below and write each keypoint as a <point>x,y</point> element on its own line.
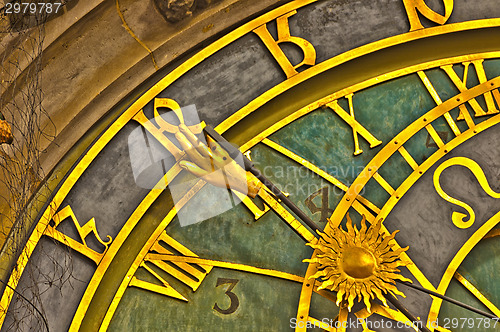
<point>378,121</point>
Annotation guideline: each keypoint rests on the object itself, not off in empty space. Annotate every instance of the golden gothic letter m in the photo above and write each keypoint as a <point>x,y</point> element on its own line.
<point>413,7</point>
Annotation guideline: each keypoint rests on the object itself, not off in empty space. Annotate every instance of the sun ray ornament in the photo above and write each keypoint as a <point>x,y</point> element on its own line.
<point>357,263</point>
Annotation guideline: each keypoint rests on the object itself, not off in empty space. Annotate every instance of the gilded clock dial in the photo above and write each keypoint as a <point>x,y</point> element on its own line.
<point>387,147</point>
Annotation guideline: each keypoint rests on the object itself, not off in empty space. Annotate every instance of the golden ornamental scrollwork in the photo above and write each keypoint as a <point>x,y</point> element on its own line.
<point>458,217</point>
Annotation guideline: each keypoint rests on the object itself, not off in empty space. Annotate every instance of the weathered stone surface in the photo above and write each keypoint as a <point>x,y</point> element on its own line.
<point>177,10</point>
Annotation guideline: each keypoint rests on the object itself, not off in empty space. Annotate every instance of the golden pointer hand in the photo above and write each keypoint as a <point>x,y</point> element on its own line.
<point>214,165</point>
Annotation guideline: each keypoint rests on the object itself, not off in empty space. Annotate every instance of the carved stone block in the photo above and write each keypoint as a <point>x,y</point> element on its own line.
<point>175,10</point>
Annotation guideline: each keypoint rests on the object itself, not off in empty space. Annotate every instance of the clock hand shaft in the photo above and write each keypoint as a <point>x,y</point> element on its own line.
<point>449,299</point>
<point>405,311</point>
<point>295,209</point>
<point>249,166</point>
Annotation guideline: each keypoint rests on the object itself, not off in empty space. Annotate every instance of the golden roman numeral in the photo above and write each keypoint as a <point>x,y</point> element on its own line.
<point>189,274</point>
<point>257,212</point>
<point>461,84</point>
<point>413,7</point>
<point>285,37</point>
<point>83,232</point>
<point>438,101</point>
<point>163,289</point>
<point>357,128</point>
<point>164,259</point>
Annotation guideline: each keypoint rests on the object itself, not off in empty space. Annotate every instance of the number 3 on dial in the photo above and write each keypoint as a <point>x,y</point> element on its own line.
<point>235,302</point>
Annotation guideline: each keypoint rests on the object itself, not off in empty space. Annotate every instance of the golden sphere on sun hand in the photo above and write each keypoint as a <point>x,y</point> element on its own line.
<point>358,262</point>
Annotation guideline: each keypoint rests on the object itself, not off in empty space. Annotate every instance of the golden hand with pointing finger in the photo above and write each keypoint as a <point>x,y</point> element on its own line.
<point>213,164</point>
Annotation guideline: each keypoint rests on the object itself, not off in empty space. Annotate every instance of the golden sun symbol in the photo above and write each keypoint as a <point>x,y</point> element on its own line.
<point>357,263</point>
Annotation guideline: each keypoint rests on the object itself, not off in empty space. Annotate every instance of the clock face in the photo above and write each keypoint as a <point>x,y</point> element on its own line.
<point>396,135</point>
